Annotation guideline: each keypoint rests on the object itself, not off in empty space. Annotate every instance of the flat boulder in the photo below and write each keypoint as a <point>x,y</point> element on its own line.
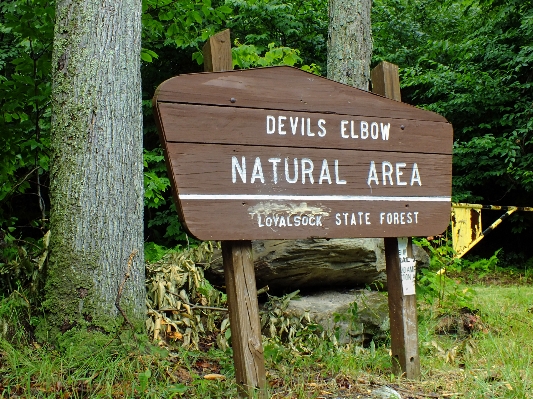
<point>356,316</point>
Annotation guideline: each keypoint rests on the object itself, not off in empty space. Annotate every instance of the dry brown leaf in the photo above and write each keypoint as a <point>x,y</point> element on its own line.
<point>157,328</point>
<point>218,377</point>
<point>175,335</point>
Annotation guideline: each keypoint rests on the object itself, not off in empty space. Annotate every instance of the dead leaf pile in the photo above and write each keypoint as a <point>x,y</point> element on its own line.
<point>182,305</point>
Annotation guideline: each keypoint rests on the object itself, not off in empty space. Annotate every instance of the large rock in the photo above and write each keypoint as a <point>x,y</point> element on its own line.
<point>317,264</point>
<point>355,317</point>
<point>421,257</point>
<point>311,264</point>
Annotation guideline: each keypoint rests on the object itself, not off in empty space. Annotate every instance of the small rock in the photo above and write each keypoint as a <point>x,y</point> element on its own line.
<point>385,393</point>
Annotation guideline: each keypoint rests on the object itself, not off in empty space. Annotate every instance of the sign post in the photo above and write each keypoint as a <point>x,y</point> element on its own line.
<point>400,284</point>
<point>239,273</point>
<point>279,153</point>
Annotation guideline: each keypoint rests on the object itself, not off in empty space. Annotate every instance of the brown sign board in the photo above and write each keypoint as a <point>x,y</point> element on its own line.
<point>278,153</point>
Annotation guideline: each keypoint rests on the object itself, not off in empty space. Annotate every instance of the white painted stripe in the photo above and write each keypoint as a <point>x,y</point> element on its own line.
<point>251,197</point>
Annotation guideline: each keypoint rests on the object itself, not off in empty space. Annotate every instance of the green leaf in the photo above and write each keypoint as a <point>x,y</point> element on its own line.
<point>289,59</point>
<point>166,15</point>
<point>198,57</point>
<point>197,17</point>
<point>178,388</point>
<point>146,57</point>
<point>144,378</point>
<point>225,9</point>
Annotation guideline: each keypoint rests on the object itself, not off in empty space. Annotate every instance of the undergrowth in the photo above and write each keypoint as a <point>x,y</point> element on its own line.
<point>493,360</point>
<point>474,340</point>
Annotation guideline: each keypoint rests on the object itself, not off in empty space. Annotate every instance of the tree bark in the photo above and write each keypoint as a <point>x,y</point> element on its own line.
<point>96,166</point>
<point>350,42</point>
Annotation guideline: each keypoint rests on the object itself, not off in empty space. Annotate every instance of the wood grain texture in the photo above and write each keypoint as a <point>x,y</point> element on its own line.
<point>386,80</point>
<point>207,169</point>
<point>402,308</point>
<point>217,52</point>
<point>244,318</point>
<point>221,125</point>
<point>241,219</point>
<point>403,317</point>
<point>246,339</point>
<point>240,132</point>
<point>284,88</point>
<point>235,218</point>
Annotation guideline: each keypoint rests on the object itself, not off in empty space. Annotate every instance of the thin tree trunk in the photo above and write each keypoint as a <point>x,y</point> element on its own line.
<point>96,165</point>
<point>350,42</point>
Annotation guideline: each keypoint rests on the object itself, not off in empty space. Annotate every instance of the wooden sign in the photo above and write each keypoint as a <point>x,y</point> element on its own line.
<point>278,153</point>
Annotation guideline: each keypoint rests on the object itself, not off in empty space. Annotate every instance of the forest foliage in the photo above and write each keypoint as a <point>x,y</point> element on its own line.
<point>469,60</point>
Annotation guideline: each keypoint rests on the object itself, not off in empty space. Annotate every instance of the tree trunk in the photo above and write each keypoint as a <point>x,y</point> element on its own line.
<point>96,166</point>
<point>350,42</point>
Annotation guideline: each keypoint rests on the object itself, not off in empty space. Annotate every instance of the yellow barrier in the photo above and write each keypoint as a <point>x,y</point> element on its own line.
<point>466,224</point>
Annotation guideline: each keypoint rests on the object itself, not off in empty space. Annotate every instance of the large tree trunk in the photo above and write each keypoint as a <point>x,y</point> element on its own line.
<point>96,171</point>
<point>350,42</point>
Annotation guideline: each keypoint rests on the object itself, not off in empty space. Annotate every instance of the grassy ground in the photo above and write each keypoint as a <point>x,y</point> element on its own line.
<point>494,360</point>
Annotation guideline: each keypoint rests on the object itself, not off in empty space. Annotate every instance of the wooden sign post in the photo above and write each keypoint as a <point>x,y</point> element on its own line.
<point>239,274</point>
<point>279,153</point>
<point>402,303</point>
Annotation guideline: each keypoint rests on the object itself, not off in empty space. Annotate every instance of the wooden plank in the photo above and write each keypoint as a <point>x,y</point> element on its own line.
<point>214,124</point>
<point>217,203</point>
<point>284,88</point>
<point>218,126</point>
<point>402,308</point>
<point>217,52</point>
<point>244,318</point>
<point>246,340</point>
<point>307,219</point>
<point>216,169</point>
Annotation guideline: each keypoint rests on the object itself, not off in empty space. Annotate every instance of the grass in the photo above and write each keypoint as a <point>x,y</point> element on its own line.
<point>494,361</point>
